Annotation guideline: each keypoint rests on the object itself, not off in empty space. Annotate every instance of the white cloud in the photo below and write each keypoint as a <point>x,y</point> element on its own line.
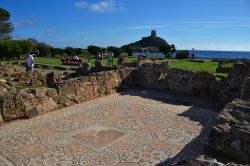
<point>81,4</point>
<point>25,23</point>
<point>50,30</point>
<point>102,6</point>
<point>237,18</point>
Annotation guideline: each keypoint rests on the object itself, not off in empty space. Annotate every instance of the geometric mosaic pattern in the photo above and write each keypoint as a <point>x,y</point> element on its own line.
<point>120,129</point>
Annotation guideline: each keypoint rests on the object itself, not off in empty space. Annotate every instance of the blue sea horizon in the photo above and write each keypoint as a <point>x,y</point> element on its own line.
<point>210,54</point>
<point>222,54</point>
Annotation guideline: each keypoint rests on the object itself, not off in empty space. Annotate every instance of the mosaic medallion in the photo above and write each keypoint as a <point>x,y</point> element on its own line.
<point>97,137</point>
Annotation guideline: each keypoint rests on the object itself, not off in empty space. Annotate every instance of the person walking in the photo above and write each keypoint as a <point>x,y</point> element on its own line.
<point>30,63</point>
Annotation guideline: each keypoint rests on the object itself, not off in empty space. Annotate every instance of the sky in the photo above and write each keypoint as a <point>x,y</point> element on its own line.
<point>199,24</point>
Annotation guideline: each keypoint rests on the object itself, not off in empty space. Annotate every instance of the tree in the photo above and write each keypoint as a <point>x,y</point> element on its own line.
<point>115,50</point>
<point>34,42</point>
<point>5,49</point>
<point>26,46</point>
<point>172,50</point>
<point>5,26</point>
<point>69,51</point>
<point>44,49</point>
<point>128,50</point>
<point>182,54</point>
<point>16,48</point>
<point>55,51</point>
<point>78,51</point>
<point>94,49</point>
<point>165,49</point>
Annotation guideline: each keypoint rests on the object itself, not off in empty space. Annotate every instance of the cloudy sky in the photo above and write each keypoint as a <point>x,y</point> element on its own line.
<point>199,24</point>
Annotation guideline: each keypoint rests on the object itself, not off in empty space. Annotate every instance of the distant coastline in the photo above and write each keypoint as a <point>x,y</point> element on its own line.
<point>222,54</point>
<point>212,54</point>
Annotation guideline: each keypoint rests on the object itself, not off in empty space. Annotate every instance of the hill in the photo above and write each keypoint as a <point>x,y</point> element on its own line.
<point>151,41</point>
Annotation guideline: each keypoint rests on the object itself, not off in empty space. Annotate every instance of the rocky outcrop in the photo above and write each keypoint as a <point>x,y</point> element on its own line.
<point>231,135</point>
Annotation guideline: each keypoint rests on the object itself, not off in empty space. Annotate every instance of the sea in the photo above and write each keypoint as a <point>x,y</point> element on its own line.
<point>211,54</point>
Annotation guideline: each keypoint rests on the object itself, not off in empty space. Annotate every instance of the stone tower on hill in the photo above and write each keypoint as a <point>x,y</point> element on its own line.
<point>153,33</point>
<point>151,41</point>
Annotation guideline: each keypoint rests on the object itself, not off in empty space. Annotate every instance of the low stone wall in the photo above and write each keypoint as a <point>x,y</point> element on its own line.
<point>231,135</point>
<point>19,104</point>
<point>245,89</point>
<point>201,84</point>
<point>161,76</point>
<point>84,88</point>
<point>230,88</point>
<point>16,104</point>
<point>7,70</point>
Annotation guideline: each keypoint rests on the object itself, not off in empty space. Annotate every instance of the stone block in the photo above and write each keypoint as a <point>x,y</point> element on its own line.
<point>231,134</point>
<point>53,78</point>
<point>31,113</point>
<point>245,90</point>
<point>40,92</point>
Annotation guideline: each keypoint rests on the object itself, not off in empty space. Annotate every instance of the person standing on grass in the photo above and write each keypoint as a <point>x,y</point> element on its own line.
<point>30,63</point>
<point>193,54</point>
<point>99,56</point>
<point>110,61</point>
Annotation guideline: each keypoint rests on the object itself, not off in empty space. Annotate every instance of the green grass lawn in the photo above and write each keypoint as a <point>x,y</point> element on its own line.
<point>56,61</point>
<point>195,66</point>
<point>208,66</point>
<point>50,61</point>
<point>183,64</point>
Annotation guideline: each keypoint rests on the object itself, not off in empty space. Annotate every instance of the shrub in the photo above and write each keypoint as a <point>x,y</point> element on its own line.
<point>182,55</point>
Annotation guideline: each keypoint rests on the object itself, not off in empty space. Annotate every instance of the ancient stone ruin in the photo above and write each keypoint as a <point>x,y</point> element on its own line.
<point>229,138</point>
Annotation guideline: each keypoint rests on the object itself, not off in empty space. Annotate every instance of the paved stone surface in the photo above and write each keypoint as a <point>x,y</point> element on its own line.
<point>126,129</point>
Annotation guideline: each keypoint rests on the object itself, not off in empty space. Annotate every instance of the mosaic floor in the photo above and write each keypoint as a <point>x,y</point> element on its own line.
<point>120,129</point>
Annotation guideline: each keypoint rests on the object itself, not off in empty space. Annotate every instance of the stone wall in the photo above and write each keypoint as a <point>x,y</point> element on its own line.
<point>161,76</point>
<point>245,89</point>
<point>81,89</point>
<point>148,75</point>
<point>201,84</point>
<point>230,137</point>
<point>230,88</point>
<point>16,104</point>
<point>8,70</point>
